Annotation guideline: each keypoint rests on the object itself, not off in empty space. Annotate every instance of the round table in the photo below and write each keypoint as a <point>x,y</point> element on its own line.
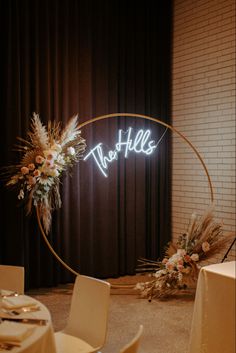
<point>213,323</point>
<point>41,340</point>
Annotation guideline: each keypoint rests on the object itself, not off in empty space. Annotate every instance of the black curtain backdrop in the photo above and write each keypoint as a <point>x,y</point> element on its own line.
<point>59,58</point>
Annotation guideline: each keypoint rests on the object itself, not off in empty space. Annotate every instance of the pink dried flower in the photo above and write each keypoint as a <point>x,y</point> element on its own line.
<point>31,166</point>
<point>180,267</point>
<point>49,163</point>
<point>169,266</point>
<point>25,170</point>
<point>187,258</point>
<point>39,159</point>
<point>36,172</point>
<point>49,156</point>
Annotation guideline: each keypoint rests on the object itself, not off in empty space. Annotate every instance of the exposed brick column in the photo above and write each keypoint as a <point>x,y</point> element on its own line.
<point>204,109</point>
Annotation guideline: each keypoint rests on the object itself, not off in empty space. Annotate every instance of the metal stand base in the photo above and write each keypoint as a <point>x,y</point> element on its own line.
<point>227,252</point>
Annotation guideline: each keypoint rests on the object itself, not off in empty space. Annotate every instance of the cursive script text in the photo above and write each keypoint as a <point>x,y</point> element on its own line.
<point>128,141</point>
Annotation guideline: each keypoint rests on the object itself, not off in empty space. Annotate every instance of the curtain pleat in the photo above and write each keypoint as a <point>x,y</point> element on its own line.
<point>61,58</point>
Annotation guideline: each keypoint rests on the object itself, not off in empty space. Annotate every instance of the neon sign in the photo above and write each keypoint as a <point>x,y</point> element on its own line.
<point>127,142</point>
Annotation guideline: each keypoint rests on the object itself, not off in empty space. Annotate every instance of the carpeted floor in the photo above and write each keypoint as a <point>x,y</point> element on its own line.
<point>166,323</point>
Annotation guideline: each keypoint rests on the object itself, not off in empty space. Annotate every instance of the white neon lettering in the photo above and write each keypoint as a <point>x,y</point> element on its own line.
<point>136,141</point>
<point>98,161</point>
<point>139,144</point>
<point>126,143</point>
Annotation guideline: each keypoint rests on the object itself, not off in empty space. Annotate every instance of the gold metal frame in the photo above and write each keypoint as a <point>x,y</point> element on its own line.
<point>131,115</point>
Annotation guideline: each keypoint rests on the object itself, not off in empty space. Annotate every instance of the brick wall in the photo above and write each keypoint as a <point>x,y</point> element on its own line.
<point>204,110</point>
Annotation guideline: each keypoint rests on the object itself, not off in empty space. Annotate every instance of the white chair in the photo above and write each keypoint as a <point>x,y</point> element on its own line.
<point>12,278</point>
<point>86,329</point>
<point>133,345</point>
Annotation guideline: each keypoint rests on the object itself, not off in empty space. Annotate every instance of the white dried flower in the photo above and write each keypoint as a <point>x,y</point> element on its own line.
<point>205,246</point>
<point>139,286</point>
<point>56,147</point>
<point>71,151</point>
<point>21,194</point>
<point>195,257</point>
<point>181,252</point>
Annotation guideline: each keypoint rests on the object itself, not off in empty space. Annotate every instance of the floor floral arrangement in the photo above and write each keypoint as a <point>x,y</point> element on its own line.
<point>180,267</point>
<point>47,153</point>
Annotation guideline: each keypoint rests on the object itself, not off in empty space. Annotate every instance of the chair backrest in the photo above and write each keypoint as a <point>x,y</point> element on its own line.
<point>89,310</point>
<point>12,278</point>
<point>133,345</point>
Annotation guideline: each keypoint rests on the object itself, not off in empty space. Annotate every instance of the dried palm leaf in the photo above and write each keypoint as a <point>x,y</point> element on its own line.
<point>171,249</point>
<point>146,265</point>
<point>29,157</point>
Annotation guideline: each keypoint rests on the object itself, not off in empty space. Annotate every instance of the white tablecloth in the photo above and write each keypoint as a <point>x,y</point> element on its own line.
<point>213,323</point>
<point>42,338</point>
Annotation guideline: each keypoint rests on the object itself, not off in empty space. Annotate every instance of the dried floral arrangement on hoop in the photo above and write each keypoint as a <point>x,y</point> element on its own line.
<point>180,267</point>
<point>47,153</point>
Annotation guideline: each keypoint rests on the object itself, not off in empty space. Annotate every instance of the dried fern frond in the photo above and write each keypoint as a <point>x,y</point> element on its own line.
<point>201,224</point>
<point>25,144</point>
<point>45,212</point>
<point>145,265</point>
<point>192,225</point>
<point>70,132</point>
<point>209,234</point>
<point>54,129</point>
<point>38,134</point>
<point>219,245</point>
<point>55,198</point>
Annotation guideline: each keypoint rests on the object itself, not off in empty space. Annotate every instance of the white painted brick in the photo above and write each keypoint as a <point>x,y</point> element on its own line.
<point>203,108</point>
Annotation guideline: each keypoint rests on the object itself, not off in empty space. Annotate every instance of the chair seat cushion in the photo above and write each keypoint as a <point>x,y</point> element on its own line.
<point>70,344</point>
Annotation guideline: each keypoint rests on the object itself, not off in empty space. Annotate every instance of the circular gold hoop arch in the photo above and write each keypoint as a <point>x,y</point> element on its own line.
<point>131,115</point>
